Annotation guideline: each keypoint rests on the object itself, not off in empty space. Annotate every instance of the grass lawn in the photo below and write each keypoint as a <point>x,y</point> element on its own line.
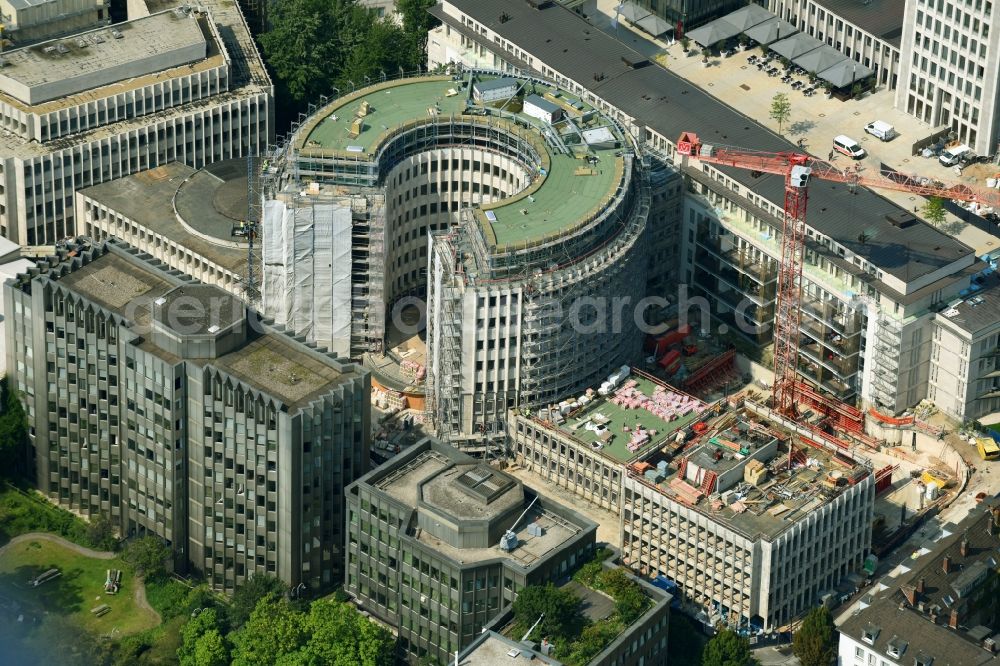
<point>73,594</point>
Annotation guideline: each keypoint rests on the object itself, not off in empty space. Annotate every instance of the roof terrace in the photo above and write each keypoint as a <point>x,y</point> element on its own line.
<point>576,171</point>
<point>637,418</point>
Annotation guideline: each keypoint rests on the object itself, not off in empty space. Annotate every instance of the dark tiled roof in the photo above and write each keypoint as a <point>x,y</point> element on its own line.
<point>671,105</point>
<point>893,615</point>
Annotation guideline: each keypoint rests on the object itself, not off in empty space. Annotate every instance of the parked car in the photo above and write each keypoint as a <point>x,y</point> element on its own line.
<point>881,130</point>
<point>848,146</point>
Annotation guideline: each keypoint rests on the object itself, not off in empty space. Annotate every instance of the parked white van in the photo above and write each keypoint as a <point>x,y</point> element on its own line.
<point>881,130</point>
<point>952,156</point>
<point>848,146</point>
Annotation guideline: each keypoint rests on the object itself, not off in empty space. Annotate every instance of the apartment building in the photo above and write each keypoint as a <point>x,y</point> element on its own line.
<point>941,608</point>
<point>32,21</point>
<point>167,406</point>
<point>965,363</point>
<point>191,220</point>
<point>874,274</point>
<point>181,85</point>
<point>948,68</point>
<point>869,32</point>
<point>439,544</point>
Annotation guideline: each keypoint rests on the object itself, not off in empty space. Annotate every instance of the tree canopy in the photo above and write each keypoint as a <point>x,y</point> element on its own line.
<point>147,555</point>
<point>202,642</point>
<point>561,607</point>
<point>814,642</point>
<point>249,594</point>
<point>331,632</point>
<point>781,109</point>
<point>727,648</point>
<point>934,210</point>
<point>13,429</point>
<point>314,46</point>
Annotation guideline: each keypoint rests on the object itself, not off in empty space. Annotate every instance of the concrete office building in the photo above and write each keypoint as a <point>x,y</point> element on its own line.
<point>191,220</point>
<point>524,219</point>
<point>588,453</point>
<point>165,405</point>
<point>870,297</point>
<point>777,531</point>
<point>749,530</point>
<point>430,552</point>
<point>181,85</point>
<point>948,68</point>
<point>869,32</point>
<point>938,609</point>
<point>27,21</point>
<point>423,548</point>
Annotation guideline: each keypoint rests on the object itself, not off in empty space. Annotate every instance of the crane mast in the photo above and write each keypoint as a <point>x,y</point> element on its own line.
<point>797,169</point>
<point>789,295</point>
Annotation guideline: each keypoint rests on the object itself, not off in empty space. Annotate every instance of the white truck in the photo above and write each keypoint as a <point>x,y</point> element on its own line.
<point>881,130</point>
<point>952,156</point>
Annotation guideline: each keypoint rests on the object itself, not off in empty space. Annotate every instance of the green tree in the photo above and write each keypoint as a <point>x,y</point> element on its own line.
<point>211,650</point>
<point>13,430</point>
<point>101,533</point>
<point>195,648</point>
<point>274,630</point>
<point>314,46</point>
<point>561,608</point>
<point>727,649</point>
<point>342,635</point>
<point>417,21</point>
<point>781,109</point>
<point>249,594</point>
<point>814,642</point>
<point>147,556</point>
<point>934,211</point>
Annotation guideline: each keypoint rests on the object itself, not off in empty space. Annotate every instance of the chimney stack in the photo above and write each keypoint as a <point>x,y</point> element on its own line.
<point>946,564</point>
<point>963,547</point>
<point>920,586</point>
<point>953,619</point>
<point>910,593</point>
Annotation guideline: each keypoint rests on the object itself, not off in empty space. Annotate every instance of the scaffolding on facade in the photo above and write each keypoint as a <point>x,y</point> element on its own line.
<point>885,352</point>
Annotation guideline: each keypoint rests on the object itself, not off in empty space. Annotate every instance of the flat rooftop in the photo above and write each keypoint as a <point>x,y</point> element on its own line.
<point>494,648</point>
<point>882,18</point>
<point>274,364</point>
<point>447,492</point>
<point>670,105</point>
<point>59,67</point>
<point>199,309</point>
<point>408,483</point>
<point>617,413</point>
<point>778,501</point>
<point>979,309</point>
<point>566,190</point>
<point>121,286</point>
<point>209,201</point>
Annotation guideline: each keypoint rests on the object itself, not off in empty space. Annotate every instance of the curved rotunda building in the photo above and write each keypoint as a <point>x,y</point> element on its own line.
<point>512,209</point>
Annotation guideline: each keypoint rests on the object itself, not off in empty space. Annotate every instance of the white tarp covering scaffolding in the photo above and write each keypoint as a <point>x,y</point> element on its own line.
<point>307,270</point>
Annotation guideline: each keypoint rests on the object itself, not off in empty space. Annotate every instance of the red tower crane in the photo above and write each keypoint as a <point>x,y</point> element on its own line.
<point>797,169</point>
